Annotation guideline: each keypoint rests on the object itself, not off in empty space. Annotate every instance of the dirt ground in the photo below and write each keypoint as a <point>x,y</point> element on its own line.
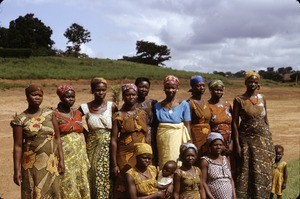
<point>283,107</point>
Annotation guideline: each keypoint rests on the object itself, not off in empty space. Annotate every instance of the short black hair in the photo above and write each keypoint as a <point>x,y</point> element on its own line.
<point>277,146</point>
<point>141,79</point>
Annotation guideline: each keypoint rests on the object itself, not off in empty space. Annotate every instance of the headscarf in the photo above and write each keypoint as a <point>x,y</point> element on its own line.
<point>171,79</point>
<point>128,86</point>
<point>97,80</point>
<point>185,147</point>
<point>213,136</point>
<point>196,79</point>
<point>142,148</point>
<point>32,88</point>
<point>62,89</point>
<point>251,73</point>
<point>214,83</point>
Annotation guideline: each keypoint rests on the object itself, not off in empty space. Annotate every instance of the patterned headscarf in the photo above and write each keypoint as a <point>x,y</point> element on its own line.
<point>171,79</point>
<point>185,147</point>
<point>32,88</point>
<point>142,148</point>
<point>196,79</point>
<point>214,83</point>
<point>97,80</point>
<point>62,89</point>
<point>251,73</point>
<point>128,86</point>
<point>214,136</point>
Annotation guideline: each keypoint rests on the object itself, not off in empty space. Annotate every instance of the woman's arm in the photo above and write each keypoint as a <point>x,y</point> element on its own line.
<point>114,147</point>
<point>61,164</point>
<point>176,183</point>
<point>265,105</point>
<point>235,123</point>
<point>133,193</point>
<point>231,180</point>
<point>17,153</point>
<point>203,167</point>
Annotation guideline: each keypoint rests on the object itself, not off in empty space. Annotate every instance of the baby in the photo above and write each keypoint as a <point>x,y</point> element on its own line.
<point>165,177</point>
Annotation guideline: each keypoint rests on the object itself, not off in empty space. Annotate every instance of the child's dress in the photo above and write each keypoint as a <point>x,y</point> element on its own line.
<point>278,177</point>
<point>164,181</point>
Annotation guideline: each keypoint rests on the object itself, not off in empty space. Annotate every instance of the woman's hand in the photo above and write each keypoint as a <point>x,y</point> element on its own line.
<point>239,151</point>
<point>161,194</point>
<point>18,178</point>
<point>116,170</point>
<point>61,167</point>
<point>169,191</point>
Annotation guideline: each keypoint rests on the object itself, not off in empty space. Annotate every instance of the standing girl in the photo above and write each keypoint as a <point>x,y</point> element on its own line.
<point>74,181</point>
<point>215,168</point>
<point>38,156</point>
<point>98,114</point>
<point>188,178</point>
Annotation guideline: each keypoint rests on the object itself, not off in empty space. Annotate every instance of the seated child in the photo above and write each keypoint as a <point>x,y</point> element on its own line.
<point>165,177</point>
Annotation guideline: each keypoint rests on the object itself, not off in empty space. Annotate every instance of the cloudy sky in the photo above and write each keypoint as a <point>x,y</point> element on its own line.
<point>203,35</point>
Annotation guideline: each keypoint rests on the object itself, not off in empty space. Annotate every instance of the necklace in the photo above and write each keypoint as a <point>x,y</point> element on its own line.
<point>252,102</point>
<point>147,176</point>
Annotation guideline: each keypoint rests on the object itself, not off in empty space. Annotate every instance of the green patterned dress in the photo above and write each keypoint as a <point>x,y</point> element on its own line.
<point>40,177</point>
<point>98,142</point>
<point>74,181</point>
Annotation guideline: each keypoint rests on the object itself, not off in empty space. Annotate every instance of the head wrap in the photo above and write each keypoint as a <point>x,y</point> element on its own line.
<point>171,79</point>
<point>141,79</point>
<point>142,148</point>
<point>62,89</point>
<point>32,88</point>
<point>97,80</point>
<point>251,73</point>
<point>187,146</point>
<point>196,79</point>
<point>128,86</point>
<point>213,136</point>
<point>214,83</point>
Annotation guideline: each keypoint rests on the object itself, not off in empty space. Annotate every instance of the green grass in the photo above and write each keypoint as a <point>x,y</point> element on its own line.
<point>293,184</point>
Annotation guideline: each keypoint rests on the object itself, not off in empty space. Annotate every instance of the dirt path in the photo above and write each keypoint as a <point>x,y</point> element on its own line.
<point>283,113</point>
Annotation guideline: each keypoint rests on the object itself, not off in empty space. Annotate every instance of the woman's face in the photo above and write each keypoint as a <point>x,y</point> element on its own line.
<point>130,96</point>
<point>100,91</point>
<point>189,157</point>
<point>252,83</point>
<point>217,92</point>
<point>143,89</point>
<point>144,160</point>
<point>199,88</point>
<point>170,89</point>
<point>216,147</point>
<point>35,98</point>
<point>68,98</point>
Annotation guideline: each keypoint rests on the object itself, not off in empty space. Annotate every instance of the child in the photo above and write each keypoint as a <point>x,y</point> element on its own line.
<point>165,177</point>
<point>279,173</point>
<point>188,178</point>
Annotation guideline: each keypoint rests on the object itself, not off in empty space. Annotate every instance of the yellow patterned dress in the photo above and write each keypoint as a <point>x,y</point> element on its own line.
<point>144,187</point>
<point>278,177</point>
<point>74,181</point>
<point>40,177</point>
<point>97,143</point>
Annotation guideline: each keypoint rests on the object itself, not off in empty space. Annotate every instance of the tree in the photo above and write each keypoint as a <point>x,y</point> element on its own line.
<point>3,37</point>
<point>29,32</point>
<point>76,35</point>
<point>150,53</point>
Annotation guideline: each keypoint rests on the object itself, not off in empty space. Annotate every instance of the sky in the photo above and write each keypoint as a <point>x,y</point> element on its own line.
<point>203,35</point>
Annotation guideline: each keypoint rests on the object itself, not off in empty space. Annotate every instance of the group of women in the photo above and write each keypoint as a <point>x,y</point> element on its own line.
<point>113,160</point>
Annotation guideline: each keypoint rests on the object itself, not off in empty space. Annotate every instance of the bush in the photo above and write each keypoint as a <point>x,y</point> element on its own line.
<point>15,52</point>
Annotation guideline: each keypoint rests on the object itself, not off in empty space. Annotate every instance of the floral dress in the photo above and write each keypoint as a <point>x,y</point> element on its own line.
<point>40,177</point>
<point>254,172</point>
<point>98,142</point>
<point>74,183</point>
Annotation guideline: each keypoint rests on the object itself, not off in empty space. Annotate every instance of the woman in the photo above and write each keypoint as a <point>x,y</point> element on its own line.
<point>129,127</point>
<point>253,141</point>
<point>172,119</point>
<point>188,178</point>
<point>220,114</point>
<point>141,179</point>
<point>200,115</point>
<point>98,114</point>
<point>143,87</point>
<point>215,168</point>
<point>74,181</point>
<point>38,156</point>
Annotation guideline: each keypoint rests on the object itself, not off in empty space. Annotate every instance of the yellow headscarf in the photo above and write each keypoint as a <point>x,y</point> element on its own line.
<point>142,148</point>
<point>251,73</point>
